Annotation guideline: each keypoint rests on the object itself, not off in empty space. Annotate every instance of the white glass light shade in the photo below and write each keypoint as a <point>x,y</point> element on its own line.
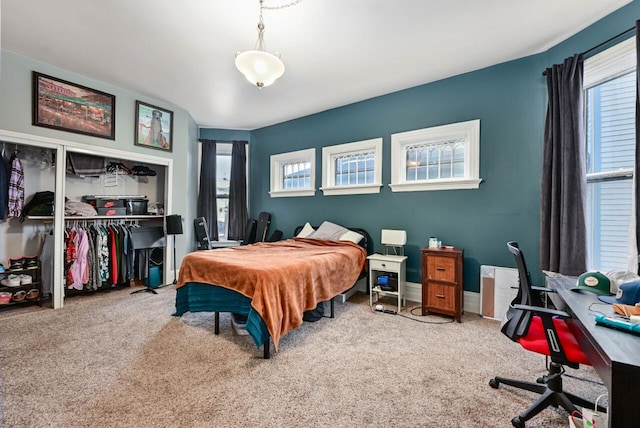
<point>259,67</point>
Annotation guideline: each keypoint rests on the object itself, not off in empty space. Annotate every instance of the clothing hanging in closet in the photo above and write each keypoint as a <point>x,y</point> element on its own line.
<point>4,186</point>
<point>99,256</point>
<point>16,187</point>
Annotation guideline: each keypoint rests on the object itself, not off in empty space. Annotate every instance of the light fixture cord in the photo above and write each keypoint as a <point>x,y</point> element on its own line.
<point>282,6</point>
<point>260,45</point>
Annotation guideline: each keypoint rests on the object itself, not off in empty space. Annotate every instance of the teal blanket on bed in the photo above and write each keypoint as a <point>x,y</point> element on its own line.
<point>199,297</point>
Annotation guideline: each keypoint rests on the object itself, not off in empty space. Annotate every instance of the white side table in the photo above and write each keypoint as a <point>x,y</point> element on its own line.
<point>380,264</point>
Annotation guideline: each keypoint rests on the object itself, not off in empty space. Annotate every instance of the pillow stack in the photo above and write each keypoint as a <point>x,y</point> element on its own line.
<point>331,232</point>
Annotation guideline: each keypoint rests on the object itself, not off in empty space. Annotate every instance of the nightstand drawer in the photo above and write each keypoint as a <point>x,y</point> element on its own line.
<point>384,265</point>
<point>441,268</point>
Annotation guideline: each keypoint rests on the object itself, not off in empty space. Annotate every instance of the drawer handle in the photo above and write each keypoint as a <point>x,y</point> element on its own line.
<point>440,268</point>
<point>440,296</point>
<point>383,265</point>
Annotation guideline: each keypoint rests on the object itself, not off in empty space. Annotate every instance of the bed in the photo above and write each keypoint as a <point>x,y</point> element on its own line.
<point>271,283</point>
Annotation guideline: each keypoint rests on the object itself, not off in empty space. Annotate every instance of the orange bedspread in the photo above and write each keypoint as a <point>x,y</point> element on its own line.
<point>283,279</point>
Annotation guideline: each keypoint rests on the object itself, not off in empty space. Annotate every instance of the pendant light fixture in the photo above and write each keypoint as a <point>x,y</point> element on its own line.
<point>260,67</point>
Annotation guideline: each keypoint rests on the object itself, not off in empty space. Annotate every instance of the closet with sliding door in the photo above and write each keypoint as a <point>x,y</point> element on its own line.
<point>80,247</point>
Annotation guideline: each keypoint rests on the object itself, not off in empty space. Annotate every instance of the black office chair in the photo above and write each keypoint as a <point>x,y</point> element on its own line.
<point>526,322</point>
<point>201,230</point>
<point>256,230</point>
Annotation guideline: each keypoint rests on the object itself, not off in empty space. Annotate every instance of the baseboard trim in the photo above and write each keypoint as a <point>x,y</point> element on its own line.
<point>413,293</point>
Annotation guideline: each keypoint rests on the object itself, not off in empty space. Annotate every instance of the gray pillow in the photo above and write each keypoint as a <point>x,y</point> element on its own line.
<point>329,231</point>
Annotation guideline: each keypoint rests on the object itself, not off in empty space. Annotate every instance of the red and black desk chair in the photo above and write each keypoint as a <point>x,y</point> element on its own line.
<point>526,322</point>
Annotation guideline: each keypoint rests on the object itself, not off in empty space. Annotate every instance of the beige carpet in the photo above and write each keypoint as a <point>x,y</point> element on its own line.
<point>120,360</point>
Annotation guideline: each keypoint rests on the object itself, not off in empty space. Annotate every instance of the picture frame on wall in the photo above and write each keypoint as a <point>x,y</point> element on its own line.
<point>153,127</point>
<point>67,106</point>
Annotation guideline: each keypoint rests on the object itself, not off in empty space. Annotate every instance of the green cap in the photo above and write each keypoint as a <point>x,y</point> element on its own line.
<point>594,282</point>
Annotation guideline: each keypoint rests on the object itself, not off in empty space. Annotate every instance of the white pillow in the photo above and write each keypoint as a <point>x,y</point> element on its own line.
<point>329,231</point>
<point>306,231</point>
<point>352,236</point>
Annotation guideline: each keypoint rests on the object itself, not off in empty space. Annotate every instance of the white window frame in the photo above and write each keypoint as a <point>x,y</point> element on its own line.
<point>610,64</point>
<point>277,164</point>
<point>330,153</point>
<point>468,132</point>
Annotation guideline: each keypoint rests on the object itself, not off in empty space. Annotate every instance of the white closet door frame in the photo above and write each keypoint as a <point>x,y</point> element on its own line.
<point>61,147</point>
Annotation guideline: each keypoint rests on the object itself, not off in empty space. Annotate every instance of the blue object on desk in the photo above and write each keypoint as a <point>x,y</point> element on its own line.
<point>618,323</point>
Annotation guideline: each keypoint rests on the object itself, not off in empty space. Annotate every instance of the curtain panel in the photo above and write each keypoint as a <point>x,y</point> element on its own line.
<point>563,242</point>
<point>238,191</point>
<point>207,206</point>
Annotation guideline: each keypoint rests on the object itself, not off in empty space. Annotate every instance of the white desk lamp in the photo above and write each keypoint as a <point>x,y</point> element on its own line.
<point>394,240</point>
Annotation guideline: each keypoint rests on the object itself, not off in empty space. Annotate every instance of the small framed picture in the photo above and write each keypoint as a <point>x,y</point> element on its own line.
<point>154,127</point>
<point>66,106</point>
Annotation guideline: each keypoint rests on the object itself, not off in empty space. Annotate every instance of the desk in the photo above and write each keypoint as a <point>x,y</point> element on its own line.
<point>615,355</point>
<point>147,238</point>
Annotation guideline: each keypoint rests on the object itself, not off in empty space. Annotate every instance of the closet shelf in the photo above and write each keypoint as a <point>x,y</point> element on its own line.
<point>99,217</point>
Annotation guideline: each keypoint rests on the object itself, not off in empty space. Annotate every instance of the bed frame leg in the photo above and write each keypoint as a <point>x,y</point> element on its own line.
<point>266,348</point>
<point>216,323</point>
<point>332,309</point>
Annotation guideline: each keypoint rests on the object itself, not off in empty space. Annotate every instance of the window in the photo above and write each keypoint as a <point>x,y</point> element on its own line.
<point>438,158</point>
<point>609,83</point>
<point>352,168</point>
<point>293,174</point>
<point>223,180</point>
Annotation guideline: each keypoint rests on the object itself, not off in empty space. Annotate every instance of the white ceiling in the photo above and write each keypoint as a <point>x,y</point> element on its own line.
<point>336,52</point>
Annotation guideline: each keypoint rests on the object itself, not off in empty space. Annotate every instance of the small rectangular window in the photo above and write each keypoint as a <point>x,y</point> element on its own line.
<point>352,168</point>
<point>293,174</point>
<point>435,161</point>
<point>296,175</point>
<point>438,158</point>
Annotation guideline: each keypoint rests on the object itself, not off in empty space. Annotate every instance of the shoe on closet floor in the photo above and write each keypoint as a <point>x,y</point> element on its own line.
<point>1,267</point>
<point>11,281</point>
<point>30,262</point>
<point>19,296</point>
<point>15,264</point>
<point>34,293</point>
<point>25,279</point>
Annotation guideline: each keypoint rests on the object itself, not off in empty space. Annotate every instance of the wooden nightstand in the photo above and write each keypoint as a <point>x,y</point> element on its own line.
<point>442,281</point>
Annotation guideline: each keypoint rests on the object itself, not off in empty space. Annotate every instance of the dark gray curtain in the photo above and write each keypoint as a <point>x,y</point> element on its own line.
<point>563,242</point>
<point>207,206</point>
<point>636,174</point>
<point>238,191</point>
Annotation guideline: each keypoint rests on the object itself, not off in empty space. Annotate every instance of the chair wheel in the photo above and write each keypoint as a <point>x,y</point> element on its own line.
<point>517,422</point>
<point>493,383</point>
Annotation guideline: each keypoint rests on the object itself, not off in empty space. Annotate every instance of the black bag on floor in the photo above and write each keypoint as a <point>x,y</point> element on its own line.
<point>314,314</point>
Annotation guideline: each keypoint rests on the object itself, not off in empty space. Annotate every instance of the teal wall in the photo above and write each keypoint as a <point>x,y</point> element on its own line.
<point>510,101</point>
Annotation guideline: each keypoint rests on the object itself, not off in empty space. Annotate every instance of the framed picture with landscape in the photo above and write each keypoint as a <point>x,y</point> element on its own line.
<point>67,106</point>
<point>154,127</point>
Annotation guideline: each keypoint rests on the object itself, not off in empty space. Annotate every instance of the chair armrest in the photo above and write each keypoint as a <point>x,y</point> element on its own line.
<point>543,289</point>
<point>536,288</point>
<point>541,310</point>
